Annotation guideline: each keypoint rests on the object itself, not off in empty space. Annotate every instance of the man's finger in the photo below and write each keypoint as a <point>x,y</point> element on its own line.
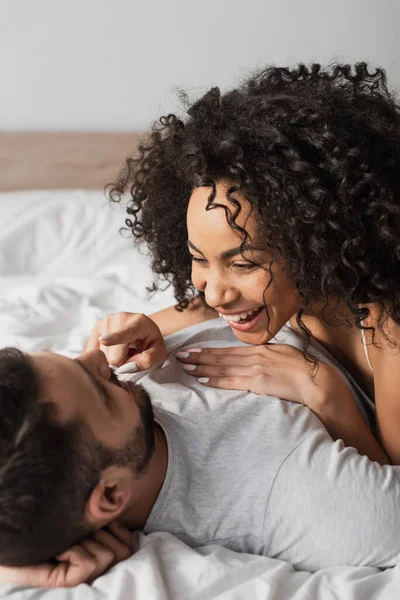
<point>120,550</point>
<point>103,555</point>
<point>77,565</point>
<point>123,534</point>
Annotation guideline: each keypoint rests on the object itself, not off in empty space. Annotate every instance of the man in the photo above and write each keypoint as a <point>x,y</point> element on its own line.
<point>81,449</point>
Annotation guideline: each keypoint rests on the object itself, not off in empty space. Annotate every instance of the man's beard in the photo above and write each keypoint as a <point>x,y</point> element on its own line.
<point>143,439</point>
<point>139,449</point>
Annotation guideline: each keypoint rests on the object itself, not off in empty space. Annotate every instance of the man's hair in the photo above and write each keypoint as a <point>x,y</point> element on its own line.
<point>47,470</point>
<point>316,152</point>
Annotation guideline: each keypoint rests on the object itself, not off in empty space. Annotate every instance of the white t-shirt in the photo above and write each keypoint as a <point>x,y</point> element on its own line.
<point>261,475</point>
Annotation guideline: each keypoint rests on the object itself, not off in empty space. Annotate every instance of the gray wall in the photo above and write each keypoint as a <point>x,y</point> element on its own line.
<point>115,64</point>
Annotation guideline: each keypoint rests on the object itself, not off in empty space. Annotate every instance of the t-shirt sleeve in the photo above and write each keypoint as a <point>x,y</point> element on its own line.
<point>330,506</point>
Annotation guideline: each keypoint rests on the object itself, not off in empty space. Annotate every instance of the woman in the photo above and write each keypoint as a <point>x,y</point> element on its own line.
<point>280,202</point>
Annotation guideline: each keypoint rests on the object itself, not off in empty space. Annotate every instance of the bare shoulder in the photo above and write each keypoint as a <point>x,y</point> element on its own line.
<point>384,354</point>
<point>384,341</point>
<point>383,346</point>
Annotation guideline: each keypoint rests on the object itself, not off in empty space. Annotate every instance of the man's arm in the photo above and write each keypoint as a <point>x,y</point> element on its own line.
<point>330,506</point>
<point>81,563</point>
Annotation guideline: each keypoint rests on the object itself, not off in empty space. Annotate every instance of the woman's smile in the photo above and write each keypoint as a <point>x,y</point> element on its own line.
<point>244,321</point>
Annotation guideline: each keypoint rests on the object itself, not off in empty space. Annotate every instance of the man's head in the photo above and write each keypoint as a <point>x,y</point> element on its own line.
<point>72,440</point>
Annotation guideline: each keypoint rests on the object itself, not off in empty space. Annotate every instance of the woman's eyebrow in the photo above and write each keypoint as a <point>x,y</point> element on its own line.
<point>96,382</point>
<point>227,253</point>
<point>193,247</point>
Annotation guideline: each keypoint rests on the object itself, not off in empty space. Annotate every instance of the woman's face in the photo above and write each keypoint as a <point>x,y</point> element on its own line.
<point>233,287</point>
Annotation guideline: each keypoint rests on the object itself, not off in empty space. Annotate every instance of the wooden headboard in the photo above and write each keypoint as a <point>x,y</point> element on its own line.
<point>63,160</point>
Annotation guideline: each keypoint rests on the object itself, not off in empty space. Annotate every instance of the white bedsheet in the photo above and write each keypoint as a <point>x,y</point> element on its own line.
<point>63,266</point>
<point>166,569</point>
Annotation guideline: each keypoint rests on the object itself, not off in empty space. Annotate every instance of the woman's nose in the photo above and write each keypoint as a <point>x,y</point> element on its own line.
<point>219,293</point>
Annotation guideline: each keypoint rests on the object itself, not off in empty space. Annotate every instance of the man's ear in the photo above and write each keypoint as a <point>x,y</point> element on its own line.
<point>109,497</point>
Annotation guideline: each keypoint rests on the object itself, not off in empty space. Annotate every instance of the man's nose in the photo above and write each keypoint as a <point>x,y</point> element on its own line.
<point>96,361</point>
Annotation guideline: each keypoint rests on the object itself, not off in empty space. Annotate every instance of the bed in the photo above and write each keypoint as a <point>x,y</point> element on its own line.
<point>65,264</point>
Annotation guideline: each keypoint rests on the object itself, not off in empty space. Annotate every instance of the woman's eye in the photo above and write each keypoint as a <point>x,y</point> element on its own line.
<point>245,266</point>
<point>241,266</point>
<point>197,260</point>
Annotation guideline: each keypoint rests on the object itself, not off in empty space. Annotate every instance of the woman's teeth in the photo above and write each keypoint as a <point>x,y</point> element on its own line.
<point>239,316</point>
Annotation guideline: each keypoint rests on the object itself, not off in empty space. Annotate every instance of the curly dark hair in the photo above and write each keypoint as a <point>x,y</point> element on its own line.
<point>317,151</point>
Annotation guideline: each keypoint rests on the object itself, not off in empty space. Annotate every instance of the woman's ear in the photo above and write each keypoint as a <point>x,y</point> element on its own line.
<point>109,498</point>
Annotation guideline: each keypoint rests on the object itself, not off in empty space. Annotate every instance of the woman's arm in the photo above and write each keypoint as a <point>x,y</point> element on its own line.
<point>385,361</point>
<point>170,320</point>
<point>334,406</point>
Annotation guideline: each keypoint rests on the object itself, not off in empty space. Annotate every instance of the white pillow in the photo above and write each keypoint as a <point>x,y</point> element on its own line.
<point>70,231</point>
<point>63,265</point>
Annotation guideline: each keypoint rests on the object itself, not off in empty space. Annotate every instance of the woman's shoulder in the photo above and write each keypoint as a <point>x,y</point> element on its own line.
<point>345,342</point>
<point>384,354</point>
<point>382,344</point>
<point>380,329</point>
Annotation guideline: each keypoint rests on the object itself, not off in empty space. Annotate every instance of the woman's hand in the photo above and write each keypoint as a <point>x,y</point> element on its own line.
<point>282,371</point>
<point>271,369</point>
<point>81,563</point>
<point>129,339</point>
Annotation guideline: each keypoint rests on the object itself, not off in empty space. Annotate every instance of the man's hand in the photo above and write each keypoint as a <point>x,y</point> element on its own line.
<point>81,563</point>
<point>129,339</point>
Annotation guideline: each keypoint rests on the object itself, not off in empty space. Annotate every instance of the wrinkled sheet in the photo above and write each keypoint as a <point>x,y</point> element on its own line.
<point>63,266</point>
<point>165,568</point>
